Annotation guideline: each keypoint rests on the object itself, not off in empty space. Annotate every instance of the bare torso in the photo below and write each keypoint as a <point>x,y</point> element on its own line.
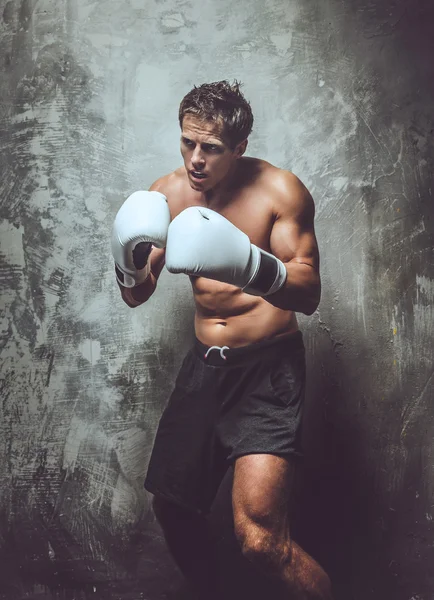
<point>225,315</point>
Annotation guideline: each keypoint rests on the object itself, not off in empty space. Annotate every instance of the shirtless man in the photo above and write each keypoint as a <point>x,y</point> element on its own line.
<point>243,230</point>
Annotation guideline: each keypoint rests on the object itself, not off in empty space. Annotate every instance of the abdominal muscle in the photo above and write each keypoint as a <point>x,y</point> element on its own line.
<point>226,316</point>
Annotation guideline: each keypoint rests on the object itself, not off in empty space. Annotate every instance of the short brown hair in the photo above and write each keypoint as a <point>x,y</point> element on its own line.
<point>220,101</point>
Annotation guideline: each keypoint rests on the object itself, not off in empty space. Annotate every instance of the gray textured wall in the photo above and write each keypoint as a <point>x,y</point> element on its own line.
<point>342,93</point>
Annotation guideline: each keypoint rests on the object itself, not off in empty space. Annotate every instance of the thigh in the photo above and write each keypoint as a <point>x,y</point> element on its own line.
<point>265,418</point>
<point>264,489</point>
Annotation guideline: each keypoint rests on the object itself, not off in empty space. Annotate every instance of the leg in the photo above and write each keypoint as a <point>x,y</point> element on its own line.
<point>262,488</point>
<point>188,540</point>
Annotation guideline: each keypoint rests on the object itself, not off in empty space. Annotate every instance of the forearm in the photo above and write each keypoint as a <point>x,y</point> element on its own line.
<point>302,289</point>
<point>139,294</point>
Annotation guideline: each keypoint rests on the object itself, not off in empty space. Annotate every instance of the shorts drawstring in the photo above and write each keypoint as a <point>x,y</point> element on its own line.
<point>221,348</point>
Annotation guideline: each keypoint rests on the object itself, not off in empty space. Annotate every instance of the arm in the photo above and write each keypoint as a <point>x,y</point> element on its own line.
<point>202,242</point>
<point>293,241</point>
<point>141,293</point>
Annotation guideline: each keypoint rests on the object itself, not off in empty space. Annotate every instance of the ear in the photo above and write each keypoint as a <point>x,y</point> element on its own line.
<point>240,149</point>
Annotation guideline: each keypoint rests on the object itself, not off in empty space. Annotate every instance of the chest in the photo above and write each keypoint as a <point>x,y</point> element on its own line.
<point>249,210</point>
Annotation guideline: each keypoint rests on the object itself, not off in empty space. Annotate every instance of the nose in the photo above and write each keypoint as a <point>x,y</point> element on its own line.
<point>198,160</point>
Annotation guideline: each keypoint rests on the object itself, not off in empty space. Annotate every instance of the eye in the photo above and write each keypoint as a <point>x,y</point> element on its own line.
<point>187,142</point>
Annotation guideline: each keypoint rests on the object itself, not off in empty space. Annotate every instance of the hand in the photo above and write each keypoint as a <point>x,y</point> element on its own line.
<point>141,222</point>
<point>202,242</point>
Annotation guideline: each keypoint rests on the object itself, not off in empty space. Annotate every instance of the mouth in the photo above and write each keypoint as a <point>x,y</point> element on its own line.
<point>197,175</point>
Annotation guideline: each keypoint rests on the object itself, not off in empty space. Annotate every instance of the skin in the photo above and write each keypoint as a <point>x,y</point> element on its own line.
<point>276,211</point>
<point>272,207</point>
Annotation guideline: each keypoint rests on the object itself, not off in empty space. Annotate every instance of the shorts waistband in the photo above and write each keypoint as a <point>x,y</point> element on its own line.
<point>225,356</point>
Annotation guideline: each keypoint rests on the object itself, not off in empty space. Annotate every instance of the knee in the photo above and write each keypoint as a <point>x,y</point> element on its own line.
<point>262,546</point>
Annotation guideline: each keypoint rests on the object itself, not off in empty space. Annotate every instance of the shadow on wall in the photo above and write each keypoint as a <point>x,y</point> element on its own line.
<point>364,499</point>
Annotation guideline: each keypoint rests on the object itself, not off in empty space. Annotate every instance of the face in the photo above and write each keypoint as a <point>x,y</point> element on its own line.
<point>208,159</point>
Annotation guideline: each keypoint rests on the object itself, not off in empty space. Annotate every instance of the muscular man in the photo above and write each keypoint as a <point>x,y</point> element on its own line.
<point>243,230</point>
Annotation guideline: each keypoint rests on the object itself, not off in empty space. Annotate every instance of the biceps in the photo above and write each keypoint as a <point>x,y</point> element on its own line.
<point>290,242</point>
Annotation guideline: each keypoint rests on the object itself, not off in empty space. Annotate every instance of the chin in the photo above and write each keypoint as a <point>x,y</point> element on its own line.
<point>195,186</point>
<point>200,187</point>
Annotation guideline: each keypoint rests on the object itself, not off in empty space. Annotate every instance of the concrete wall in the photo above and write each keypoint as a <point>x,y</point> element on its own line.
<point>342,94</point>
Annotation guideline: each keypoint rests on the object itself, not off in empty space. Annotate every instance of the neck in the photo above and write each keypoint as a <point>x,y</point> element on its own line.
<point>223,186</point>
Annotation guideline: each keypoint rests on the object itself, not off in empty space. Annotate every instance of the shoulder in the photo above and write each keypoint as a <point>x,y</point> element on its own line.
<point>290,195</point>
<point>175,187</point>
<point>170,183</point>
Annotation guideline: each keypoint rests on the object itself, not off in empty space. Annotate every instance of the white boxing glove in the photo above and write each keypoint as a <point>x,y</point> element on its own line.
<point>142,221</point>
<point>202,242</point>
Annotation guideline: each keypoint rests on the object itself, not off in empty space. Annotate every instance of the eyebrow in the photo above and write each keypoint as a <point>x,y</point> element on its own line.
<point>215,143</point>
